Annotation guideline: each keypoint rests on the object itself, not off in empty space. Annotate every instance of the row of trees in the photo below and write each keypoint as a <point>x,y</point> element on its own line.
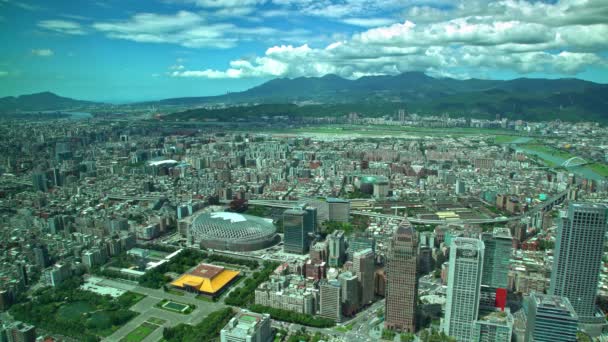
<point>293,317</point>
<point>44,311</point>
<point>252,264</point>
<point>180,263</point>
<point>207,330</point>
<point>245,294</point>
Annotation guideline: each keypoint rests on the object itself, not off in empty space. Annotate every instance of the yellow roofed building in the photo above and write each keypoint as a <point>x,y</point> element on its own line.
<point>206,279</point>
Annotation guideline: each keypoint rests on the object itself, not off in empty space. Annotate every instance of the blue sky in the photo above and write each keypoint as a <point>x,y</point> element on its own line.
<point>132,50</point>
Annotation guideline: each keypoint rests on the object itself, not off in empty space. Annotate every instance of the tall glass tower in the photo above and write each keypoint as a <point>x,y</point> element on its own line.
<point>402,280</point>
<point>578,255</point>
<point>464,284</point>
<point>497,257</point>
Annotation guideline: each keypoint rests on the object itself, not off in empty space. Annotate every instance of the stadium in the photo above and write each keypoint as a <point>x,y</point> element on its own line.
<point>233,231</point>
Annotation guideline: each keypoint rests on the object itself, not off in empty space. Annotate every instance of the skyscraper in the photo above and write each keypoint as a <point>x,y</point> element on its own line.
<point>364,267</point>
<point>578,255</point>
<point>464,283</point>
<point>496,257</point>
<point>330,300</point>
<point>337,248</point>
<point>297,224</point>
<point>402,280</point>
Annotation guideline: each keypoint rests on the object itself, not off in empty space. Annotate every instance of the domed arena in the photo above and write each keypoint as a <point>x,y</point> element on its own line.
<point>233,231</point>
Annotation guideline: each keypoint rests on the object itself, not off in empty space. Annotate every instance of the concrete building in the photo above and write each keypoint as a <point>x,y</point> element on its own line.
<point>247,326</point>
<point>578,255</point>
<point>55,275</point>
<point>464,283</point>
<point>18,332</point>
<point>338,209</point>
<point>337,248</point>
<point>497,257</point>
<point>402,281</point>
<point>364,267</point>
<point>460,187</point>
<point>289,292</point>
<point>549,319</point>
<point>493,326</point>
<point>330,305</point>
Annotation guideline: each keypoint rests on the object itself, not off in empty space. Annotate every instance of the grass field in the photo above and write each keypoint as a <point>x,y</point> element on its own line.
<point>74,311</point>
<point>505,139</point>
<point>140,333</point>
<point>156,320</point>
<point>601,169</point>
<point>392,130</point>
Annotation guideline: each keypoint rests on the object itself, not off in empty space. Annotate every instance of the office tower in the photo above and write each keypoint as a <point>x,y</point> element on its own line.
<point>464,283</point>
<point>549,318</point>
<point>493,326</point>
<point>330,300</point>
<point>496,258</point>
<point>247,326</point>
<point>577,257</point>
<point>337,248</point>
<point>364,267</point>
<point>297,224</point>
<point>350,293</point>
<point>402,280</point>
<point>460,187</point>
<point>39,181</point>
<point>41,255</point>
<point>23,277</point>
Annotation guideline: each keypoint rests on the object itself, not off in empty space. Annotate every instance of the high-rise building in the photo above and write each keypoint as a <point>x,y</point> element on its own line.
<point>549,319</point>
<point>247,327</point>
<point>41,255</point>
<point>39,181</point>
<point>330,300</point>
<point>337,248</point>
<point>402,281</point>
<point>20,332</point>
<point>55,275</point>
<point>464,283</point>
<point>297,225</point>
<point>460,187</point>
<point>578,255</point>
<point>364,267</point>
<point>496,259</point>
<point>350,293</point>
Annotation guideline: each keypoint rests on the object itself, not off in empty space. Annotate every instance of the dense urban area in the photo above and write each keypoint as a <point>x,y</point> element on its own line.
<point>150,226</point>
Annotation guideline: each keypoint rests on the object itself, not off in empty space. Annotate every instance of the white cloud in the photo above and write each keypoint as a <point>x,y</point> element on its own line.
<point>42,52</point>
<point>368,22</point>
<point>62,26</point>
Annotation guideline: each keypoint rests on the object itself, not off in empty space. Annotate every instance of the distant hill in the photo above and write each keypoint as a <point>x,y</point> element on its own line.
<point>530,99</point>
<point>40,102</point>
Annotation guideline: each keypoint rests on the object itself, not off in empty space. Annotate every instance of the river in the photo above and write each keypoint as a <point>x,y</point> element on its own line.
<point>582,171</point>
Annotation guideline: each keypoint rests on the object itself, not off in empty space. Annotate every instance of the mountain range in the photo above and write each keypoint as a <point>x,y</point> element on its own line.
<point>40,102</point>
<point>523,98</point>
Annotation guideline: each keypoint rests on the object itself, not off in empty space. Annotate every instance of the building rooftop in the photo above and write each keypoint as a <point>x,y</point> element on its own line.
<point>206,278</point>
